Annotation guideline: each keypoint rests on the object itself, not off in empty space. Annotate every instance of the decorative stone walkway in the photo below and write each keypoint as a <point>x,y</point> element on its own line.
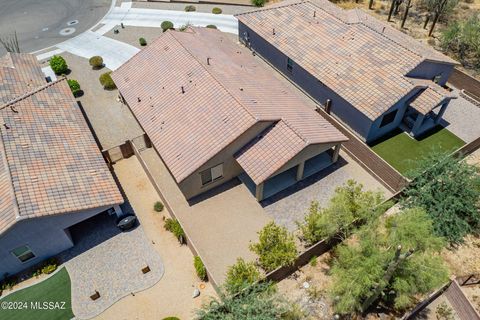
<point>109,262</point>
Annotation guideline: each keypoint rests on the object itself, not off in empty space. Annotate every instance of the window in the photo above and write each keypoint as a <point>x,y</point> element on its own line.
<point>289,64</point>
<point>23,253</point>
<point>212,174</point>
<point>388,118</point>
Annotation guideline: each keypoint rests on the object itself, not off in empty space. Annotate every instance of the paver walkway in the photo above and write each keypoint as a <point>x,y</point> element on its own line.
<point>113,266</point>
<point>462,118</point>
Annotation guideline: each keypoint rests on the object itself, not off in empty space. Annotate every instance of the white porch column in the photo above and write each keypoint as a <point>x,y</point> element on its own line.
<point>418,124</point>
<point>259,192</point>
<point>118,210</point>
<point>300,168</point>
<point>336,152</point>
<point>441,112</point>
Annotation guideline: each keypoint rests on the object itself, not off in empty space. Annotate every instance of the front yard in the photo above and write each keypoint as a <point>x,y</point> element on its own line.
<point>401,151</point>
<point>47,300</point>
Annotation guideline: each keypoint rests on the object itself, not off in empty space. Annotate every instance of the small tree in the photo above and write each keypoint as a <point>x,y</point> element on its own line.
<point>96,62</point>
<point>216,10</point>
<point>166,25</point>
<point>174,227</point>
<point>241,275</point>
<point>58,65</point>
<point>276,247</point>
<point>74,87</point>
<point>107,81</point>
<point>392,260</point>
<point>448,190</point>
<point>349,205</point>
<point>211,26</point>
<point>190,8</point>
<point>200,268</point>
<point>158,206</point>
<point>142,42</point>
<point>259,301</point>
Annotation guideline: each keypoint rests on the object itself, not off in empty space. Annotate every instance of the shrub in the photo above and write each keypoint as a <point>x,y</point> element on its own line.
<point>349,205</point>
<point>212,26</point>
<point>107,81</point>
<point>190,8</point>
<point>74,87</point>
<point>200,268</point>
<point>216,10</point>
<point>142,42</point>
<point>166,25</point>
<point>276,247</point>
<point>49,268</point>
<point>174,227</point>
<point>96,62</point>
<point>171,318</point>
<point>241,275</point>
<point>258,3</point>
<point>313,261</point>
<point>158,206</point>
<point>58,65</point>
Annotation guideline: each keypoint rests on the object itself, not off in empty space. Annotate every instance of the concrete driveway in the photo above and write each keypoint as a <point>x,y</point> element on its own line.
<point>40,24</point>
<point>220,226</point>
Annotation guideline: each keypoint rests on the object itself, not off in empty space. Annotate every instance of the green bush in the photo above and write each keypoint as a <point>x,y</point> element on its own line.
<point>49,268</point>
<point>142,42</point>
<point>166,25</point>
<point>171,318</point>
<point>107,81</point>
<point>212,26</point>
<point>216,10</point>
<point>158,206</point>
<point>258,3</point>
<point>276,247</point>
<point>241,275</point>
<point>58,65</point>
<point>74,87</point>
<point>200,268</point>
<point>190,8</point>
<point>96,62</point>
<point>174,227</point>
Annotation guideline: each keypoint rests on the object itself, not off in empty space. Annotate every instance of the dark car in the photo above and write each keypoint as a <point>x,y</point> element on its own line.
<point>127,222</point>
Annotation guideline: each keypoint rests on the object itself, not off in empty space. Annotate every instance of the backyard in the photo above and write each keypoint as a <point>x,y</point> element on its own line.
<point>47,300</point>
<point>401,151</point>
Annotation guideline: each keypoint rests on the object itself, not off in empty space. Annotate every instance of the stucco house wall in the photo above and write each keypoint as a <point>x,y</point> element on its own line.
<point>192,185</point>
<point>431,69</point>
<point>356,120</point>
<point>45,236</point>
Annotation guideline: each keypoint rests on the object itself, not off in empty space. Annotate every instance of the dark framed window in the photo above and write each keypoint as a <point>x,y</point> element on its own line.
<point>289,64</point>
<point>23,253</point>
<point>211,174</point>
<point>388,118</point>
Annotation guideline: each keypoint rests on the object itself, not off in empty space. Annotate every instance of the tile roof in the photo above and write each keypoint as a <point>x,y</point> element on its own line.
<point>430,96</point>
<point>362,59</point>
<point>222,98</point>
<point>49,161</point>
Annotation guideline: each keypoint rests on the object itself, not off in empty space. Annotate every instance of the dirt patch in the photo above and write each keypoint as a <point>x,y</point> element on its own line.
<point>465,259</point>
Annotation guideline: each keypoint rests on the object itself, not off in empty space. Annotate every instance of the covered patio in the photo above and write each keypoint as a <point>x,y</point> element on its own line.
<point>288,176</point>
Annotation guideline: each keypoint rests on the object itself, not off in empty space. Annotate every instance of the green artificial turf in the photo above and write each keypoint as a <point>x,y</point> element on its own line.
<point>54,290</point>
<point>401,151</point>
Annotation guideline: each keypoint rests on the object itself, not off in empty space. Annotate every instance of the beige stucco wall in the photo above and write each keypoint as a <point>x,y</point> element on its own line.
<point>192,185</point>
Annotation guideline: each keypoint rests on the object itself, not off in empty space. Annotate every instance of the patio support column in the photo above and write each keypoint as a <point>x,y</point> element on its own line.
<point>418,124</point>
<point>259,192</point>
<point>300,168</point>
<point>441,112</point>
<point>118,210</point>
<point>336,152</point>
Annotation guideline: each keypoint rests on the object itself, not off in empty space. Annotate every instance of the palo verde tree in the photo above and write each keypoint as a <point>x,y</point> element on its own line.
<point>389,262</point>
<point>259,301</point>
<point>448,190</point>
<point>349,206</point>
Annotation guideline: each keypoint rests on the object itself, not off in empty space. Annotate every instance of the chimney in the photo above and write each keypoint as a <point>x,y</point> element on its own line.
<point>328,106</point>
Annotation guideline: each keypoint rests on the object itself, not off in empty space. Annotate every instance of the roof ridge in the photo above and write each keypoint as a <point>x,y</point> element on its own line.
<point>271,7</point>
<point>214,78</point>
<point>30,93</point>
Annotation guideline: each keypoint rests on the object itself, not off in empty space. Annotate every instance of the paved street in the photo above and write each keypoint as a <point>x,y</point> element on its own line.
<point>41,24</point>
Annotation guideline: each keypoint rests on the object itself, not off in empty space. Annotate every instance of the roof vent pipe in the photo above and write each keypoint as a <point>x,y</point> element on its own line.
<point>273,31</point>
<point>139,100</point>
<point>328,106</point>
<point>314,13</point>
<point>183,90</point>
<point>208,61</point>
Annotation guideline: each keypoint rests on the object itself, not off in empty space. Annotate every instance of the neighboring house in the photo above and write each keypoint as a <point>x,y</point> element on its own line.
<point>371,76</point>
<point>52,174</point>
<point>213,113</point>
